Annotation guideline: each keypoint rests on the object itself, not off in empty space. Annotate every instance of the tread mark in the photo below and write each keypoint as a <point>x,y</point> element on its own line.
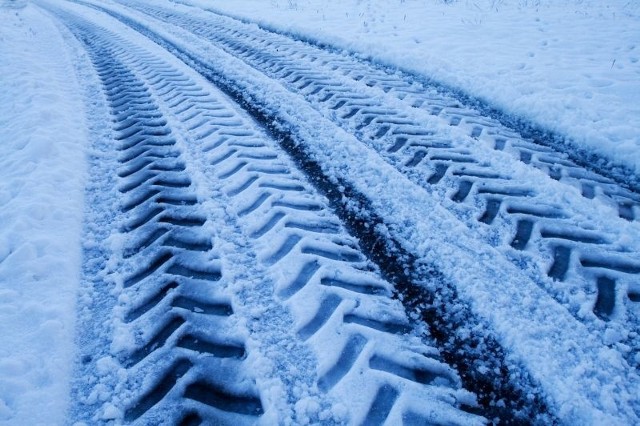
<point>417,158</point>
<point>233,171</point>
<point>549,213</point>
<point>143,219</point>
<point>189,272</point>
<point>348,357</point>
<point>525,157</point>
<point>421,376</point>
<point>577,237</point>
<point>355,287</point>
<point>561,262</point>
<point>381,406</point>
<point>242,187</point>
<point>273,221</point>
<point>283,187</point>
<point>190,245</point>
<point>135,183</point>
<point>256,204</point>
<point>384,326</point>
<point>307,272</point>
<point>159,391</point>
<point>298,205</point>
<point>400,142</point>
<point>463,191</point>
<point>209,394</point>
<point>325,311</point>
<point>588,190</point>
<point>523,234</point>
<point>191,419</point>
<point>178,182</point>
<point>625,211</point>
<point>491,211</point>
<point>187,221</point>
<point>198,344</point>
<point>284,249</point>
<point>177,200</point>
<point>145,242</point>
<point>139,199</point>
<point>323,228</point>
<point>439,173</point>
<point>156,341</point>
<point>151,302</point>
<point>606,300</point>
<point>615,265</point>
<point>151,268</point>
<point>131,169</point>
<point>333,255</point>
<point>382,131</point>
<point>193,305</point>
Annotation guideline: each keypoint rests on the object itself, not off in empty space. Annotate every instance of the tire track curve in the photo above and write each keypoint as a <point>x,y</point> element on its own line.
<point>193,55</point>
<point>576,251</point>
<point>181,342</point>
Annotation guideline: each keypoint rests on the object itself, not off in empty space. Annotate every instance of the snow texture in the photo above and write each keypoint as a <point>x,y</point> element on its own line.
<point>572,67</point>
<point>41,202</point>
<point>586,383</point>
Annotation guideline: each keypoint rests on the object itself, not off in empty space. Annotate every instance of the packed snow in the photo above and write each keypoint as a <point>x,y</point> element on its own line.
<point>572,67</point>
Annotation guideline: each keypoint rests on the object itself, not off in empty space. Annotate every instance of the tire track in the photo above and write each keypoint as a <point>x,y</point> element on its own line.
<point>480,359</point>
<point>579,255</point>
<point>166,260</point>
<point>183,343</point>
<point>358,213</point>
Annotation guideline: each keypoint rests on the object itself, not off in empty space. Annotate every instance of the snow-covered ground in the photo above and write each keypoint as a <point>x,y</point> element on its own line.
<point>41,201</point>
<point>570,66</point>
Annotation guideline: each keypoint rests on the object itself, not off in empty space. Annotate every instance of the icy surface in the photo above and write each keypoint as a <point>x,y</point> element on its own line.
<point>572,67</point>
<point>41,200</point>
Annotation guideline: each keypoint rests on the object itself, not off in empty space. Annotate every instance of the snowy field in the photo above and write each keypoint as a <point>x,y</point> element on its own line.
<point>42,171</point>
<point>572,67</point>
<point>569,67</point>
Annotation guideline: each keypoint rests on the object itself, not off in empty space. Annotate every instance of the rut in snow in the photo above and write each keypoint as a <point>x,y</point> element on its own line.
<point>186,155</point>
<point>486,173</point>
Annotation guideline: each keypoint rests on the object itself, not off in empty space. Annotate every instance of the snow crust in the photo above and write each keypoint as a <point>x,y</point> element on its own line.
<point>41,201</point>
<point>572,67</point>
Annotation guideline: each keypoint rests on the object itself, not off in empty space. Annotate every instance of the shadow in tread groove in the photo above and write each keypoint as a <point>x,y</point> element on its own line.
<point>159,391</point>
<point>348,357</point>
<point>211,395</point>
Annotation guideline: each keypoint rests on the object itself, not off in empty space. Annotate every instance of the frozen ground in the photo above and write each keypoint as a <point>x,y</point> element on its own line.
<point>570,66</point>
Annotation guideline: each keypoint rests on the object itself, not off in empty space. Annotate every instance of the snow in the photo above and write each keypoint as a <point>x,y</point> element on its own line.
<point>569,66</point>
<point>41,202</point>
<point>572,67</point>
<point>586,383</point>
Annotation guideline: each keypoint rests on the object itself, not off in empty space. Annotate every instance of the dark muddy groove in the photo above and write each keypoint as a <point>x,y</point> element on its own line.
<point>506,392</point>
<point>528,129</point>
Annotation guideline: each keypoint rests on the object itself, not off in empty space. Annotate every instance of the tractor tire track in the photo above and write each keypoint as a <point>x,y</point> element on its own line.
<point>354,209</point>
<point>184,355</point>
<point>580,250</point>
